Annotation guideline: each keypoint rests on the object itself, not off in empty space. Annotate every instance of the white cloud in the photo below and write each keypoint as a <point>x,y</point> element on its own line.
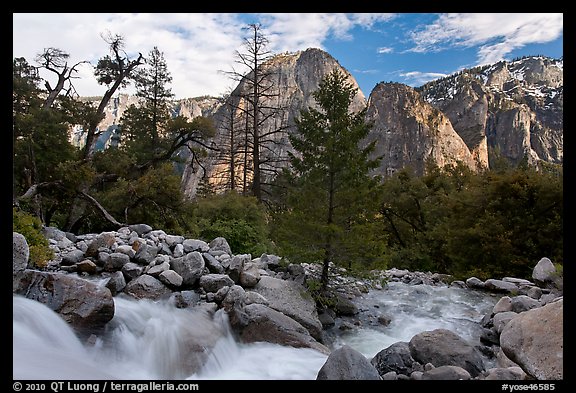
<point>298,31</point>
<point>196,47</point>
<point>371,71</point>
<point>384,49</point>
<point>418,78</point>
<point>496,34</point>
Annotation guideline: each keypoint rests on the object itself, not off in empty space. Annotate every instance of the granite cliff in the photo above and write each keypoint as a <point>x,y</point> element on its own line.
<point>508,109</point>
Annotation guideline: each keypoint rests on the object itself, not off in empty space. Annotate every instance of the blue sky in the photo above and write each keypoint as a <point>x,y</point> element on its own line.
<point>410,48</point>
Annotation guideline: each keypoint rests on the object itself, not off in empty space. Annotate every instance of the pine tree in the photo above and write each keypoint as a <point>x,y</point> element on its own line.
<point>142,125</point>
<point>328,205</point>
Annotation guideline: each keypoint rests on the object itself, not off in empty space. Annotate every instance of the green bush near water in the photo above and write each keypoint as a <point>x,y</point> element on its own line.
<point>31,228</point>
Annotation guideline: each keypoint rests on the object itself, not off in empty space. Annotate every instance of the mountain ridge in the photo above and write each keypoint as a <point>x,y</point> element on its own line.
<point>511,108</point>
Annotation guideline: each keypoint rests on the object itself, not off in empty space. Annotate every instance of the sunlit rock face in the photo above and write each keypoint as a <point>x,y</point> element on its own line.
<point>514,109</point>
<point>291,81</point>
<point>410,132</point>
<point>508,109</point>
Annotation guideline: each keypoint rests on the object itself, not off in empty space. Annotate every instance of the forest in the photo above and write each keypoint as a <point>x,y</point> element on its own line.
<point>326,205</point>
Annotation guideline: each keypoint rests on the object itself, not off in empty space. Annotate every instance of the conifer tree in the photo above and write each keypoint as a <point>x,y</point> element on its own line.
<point>328,204</point>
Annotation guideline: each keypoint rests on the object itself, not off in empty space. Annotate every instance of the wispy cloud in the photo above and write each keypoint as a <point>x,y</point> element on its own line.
<point>384,49</point>
<point>196,47</point>
<point>418,78</point>
<point>496,34</point>
<point>314,28</point>
<point>357,71</point>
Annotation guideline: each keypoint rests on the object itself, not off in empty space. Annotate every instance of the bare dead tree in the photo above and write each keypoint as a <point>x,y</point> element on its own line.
<point>55,61</point>
<point>114,71</point>
<point>257,99</point>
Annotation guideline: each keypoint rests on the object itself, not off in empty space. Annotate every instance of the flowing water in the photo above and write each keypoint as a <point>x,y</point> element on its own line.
<point>154,340</point>
<point>412,309</point>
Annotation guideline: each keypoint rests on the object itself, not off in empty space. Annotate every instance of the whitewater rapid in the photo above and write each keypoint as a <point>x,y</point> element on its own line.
<point>149,340</point>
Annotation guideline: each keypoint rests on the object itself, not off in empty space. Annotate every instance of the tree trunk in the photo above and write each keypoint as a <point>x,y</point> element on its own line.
<point>328,246</point>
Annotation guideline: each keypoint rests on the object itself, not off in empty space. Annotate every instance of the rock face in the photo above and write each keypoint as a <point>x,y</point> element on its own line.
<point>187,107</point>
<point>514,107</point>
<point>294,77</point>
<point>509,109</point>
<point>409,131</point>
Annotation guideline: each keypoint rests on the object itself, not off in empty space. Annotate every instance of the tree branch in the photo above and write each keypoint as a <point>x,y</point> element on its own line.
<point>102,210</point>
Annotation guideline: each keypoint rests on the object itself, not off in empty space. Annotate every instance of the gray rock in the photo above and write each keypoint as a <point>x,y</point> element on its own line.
<point>523,303</point>
<point>534,340</point>
<point>20,252</point>
<point>173,240</point>
<point>545,274</point>
<point>155,270</point>
<point>396,358</point>
<point>214,282</point>
<point>103,240</point>
<point>504,304</point>
<point>116,261</point>
<point>255,298</point>
<point>146,254</point>
<point>212,264</point>
<point>132,270</point>
<point>59,236</point>
<point>178,250</point>
<point>474,282</point>
<point>346,363</point>
<point>170,278</point>
<point>190,267</point>
<point>237,265</point>
<point>257,322</point>
<point>250,275</point>
<point>140,229</point>
<point>116,283</point>
<point>271,262</point>
<point>220,244</point>
<point>291,299</point>
<point>326,320</point>
<point>446,373</point>
<point>501,319</point>
<point>126,249</point>
<point>500,286</point>
<point>344,306</point>
<point>72,257</point>
<point>147,287</point>
<point>505,374</point>
<point>82,303</point>
<point>234,297</point>
<point>191,245</point>
<point>442,347</point>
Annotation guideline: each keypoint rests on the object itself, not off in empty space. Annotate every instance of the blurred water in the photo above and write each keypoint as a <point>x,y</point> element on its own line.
<point>154,340</point>
<point>412,309</point>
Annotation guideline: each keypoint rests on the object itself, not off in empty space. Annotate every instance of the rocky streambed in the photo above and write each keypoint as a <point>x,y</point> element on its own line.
<point>159,306</point>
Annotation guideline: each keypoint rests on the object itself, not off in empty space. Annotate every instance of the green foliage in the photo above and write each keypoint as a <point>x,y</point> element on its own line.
<point>154,198</point>
<point>31,228</point>
<point>492,224</point>
<point>327,211</point>
<point>239,219</point>
<point>323,298</point>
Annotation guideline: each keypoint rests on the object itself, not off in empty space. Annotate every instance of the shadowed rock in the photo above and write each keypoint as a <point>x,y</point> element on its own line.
<point>346,363</point>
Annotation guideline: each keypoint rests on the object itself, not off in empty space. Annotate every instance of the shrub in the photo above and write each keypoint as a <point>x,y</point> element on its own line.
<point>31,228</point>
